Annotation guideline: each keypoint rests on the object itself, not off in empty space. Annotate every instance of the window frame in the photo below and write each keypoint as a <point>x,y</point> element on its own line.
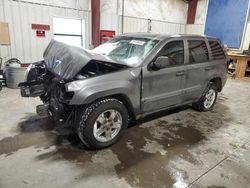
<point>166,43</point>
<point>215,40</point>
<point>70,35</point>
<point>208,49</point>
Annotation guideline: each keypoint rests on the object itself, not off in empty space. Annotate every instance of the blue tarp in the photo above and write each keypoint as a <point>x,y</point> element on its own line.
<point>226,20</point>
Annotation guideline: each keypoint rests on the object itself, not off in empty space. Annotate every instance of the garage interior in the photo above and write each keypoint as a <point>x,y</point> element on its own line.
<point>176,148</point>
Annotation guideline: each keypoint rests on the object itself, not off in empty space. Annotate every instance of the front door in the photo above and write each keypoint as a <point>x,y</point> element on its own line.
<point>164,88</point>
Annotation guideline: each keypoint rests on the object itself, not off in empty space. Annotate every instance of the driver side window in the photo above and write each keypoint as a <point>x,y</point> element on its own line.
<point>174,51</point>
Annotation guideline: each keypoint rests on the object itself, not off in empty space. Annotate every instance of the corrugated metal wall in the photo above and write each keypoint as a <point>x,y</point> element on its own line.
<point>20,15</point>
<point>29,48</point>
<point>194,29</point>
<point>132,24</point>
<point>167,27</point>
<point>109,22</point>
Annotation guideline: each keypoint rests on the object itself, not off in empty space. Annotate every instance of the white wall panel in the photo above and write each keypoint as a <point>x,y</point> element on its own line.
<point>194,29</point>
<point>109,21</point>
<point>24,43</point>
<point>1,11</point>
<point>167,10</point>
<point>3,48</point>
<point>110,6</point>
<point>75,4</point>
<point>246,41</point>
<point>201,12</point>
<point>109,15</point>
<point>132,25</point>
<point>167,28</point>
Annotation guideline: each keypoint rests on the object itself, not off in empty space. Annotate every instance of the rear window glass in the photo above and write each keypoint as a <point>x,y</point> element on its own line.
<point>216,49</point>
<point>198,51</point>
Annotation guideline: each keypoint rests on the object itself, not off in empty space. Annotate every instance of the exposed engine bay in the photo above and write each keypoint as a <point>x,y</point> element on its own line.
<point>95,68</point>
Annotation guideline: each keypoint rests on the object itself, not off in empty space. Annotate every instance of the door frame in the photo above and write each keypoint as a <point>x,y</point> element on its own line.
<point>146,67</point>
<point>200,64</point>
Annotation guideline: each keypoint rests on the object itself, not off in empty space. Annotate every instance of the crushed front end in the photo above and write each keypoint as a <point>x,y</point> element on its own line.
<point>62,66</point>
<point>51,89</point>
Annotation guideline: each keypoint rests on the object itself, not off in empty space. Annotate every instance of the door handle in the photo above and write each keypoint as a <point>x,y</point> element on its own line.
<point>208,68</point>
<point>180,73</point>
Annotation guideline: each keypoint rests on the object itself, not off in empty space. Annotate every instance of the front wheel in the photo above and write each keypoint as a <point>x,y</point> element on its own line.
<point>207,101</point>
<point>102,123</point>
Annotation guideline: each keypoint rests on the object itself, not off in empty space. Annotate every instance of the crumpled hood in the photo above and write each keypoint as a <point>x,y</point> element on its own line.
<point>66,61</point>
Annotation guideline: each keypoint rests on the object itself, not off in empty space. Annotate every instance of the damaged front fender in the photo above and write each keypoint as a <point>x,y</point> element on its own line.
<point>126,83</point>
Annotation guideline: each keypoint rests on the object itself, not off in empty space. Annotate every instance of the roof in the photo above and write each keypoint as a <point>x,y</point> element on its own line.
<point>163,36</point>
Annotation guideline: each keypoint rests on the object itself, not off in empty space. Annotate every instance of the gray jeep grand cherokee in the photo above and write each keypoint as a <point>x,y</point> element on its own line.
<point>133,75</point>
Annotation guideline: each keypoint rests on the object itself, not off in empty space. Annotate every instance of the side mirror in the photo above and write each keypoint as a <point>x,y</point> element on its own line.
<point>160,63</point>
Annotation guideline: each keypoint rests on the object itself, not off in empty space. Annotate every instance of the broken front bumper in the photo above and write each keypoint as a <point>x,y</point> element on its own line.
<point>31,89</point>
<point>32,86</point>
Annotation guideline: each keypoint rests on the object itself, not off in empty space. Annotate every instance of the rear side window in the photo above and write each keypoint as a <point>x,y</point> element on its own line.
<point>216,49</point>
<point>174,51</point>
<point>198,51</point>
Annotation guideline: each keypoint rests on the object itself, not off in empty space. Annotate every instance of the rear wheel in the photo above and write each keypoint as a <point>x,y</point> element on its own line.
<point>102,123</point>
<point>208,99</point>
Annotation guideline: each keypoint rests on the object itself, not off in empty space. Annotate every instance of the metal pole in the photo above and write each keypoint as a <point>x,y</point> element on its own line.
<point>149,25</point>
<point>95,17</point>
<point>122,15</point>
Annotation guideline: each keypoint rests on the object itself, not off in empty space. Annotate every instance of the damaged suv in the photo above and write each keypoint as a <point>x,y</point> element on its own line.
<point>99,91</point>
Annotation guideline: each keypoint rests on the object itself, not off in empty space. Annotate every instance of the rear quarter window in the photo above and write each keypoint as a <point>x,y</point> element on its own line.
<point>198,51</point>
<point>216,49</point>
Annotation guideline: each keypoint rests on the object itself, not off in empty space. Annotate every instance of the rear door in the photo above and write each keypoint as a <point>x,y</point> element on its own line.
<point>218,60</point>
<point>164,88</point>
<point>198,67</point>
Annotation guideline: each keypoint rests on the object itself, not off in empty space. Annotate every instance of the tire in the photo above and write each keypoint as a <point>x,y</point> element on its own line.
<point>88,123</point>
<point>201,104</point>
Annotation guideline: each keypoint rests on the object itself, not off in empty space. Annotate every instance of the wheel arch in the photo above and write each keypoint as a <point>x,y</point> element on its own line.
<point>127,103</point>
<point>121,97</point>
<point>217,82</point>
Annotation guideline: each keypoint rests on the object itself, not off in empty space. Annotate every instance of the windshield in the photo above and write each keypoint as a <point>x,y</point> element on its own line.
<point>127,50</point>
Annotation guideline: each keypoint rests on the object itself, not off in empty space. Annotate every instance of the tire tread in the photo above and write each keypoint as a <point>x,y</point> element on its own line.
<point>84,118</point>
<point>200,104</point>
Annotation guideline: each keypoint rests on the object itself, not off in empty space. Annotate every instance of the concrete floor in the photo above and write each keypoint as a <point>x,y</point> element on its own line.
<point>177,148</point>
